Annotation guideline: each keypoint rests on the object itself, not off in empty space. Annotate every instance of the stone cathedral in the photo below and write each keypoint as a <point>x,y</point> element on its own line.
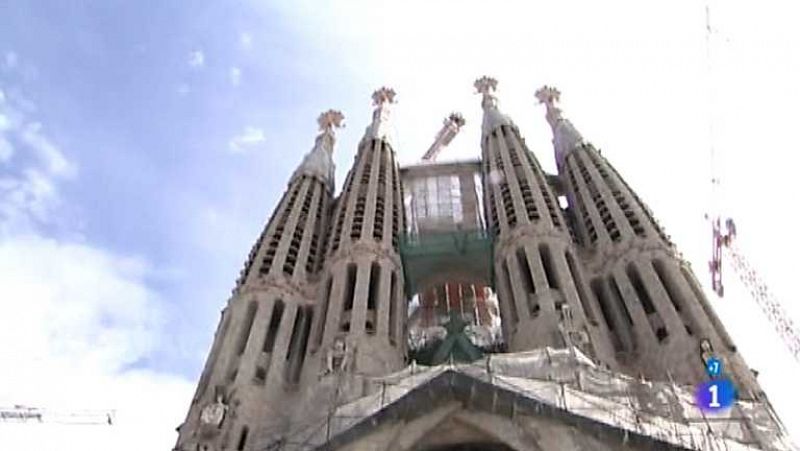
<point>471,305</point>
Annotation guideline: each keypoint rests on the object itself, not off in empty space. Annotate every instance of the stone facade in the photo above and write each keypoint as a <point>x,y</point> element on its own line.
<point>320,311</point>
<point>543,295</point>
<point>659,321</point>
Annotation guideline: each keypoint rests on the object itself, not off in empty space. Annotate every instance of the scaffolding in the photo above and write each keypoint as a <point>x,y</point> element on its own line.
<point>466,252</point>
<point>566,382</point>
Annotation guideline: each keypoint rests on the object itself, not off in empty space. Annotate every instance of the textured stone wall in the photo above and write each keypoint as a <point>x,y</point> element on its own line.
<point>650,301</point>
<point>542,292</point>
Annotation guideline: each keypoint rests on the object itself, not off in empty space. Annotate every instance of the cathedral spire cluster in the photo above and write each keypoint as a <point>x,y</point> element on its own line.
<point>580,270</point>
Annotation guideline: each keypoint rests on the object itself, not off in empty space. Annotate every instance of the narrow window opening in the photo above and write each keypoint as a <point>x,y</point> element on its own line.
<point>527,277</point>
<point>509,286</point>
<point>653,317</point>
<point>299,343</point>
<point>620,300</point>
<point>248,324</point>
<point>299,319</point>
<point>350,286</point>
<point>641,291</point>
<point>326,298</point>
<point>374,284</point>
<point>602,300</point>
<point>549,266</point>
<point>393,309</point>
<point>274,326</point>
<point>583,296</point>
<point>628,340</point>
<point>242,438</point>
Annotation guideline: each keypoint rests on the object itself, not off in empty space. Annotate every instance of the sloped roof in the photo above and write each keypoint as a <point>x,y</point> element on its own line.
<point>476,394</point>
<point>558,383</point>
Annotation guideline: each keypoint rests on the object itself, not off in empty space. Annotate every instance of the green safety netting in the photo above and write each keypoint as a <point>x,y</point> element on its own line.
<point>455,255</point>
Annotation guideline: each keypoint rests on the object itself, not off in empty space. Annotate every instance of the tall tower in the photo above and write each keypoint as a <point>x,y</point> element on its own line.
<point>542,291</point>
<point>362,306</point>
<point>260,345</point>
<point>660,322</point>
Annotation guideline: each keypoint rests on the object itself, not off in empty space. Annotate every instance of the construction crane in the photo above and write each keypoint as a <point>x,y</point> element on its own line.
<point>452,124</point>
<point>25,414</point>
<point>724,242</point>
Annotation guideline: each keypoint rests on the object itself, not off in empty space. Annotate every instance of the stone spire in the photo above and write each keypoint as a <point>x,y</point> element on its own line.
<point>380,128</point>
<point>319,161</point>
<point>565,136</point>
<point>492,117</point>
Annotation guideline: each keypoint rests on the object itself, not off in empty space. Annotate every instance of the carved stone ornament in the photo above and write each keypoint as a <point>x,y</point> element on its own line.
<point>330,119</point>
<point>338,357</point>
<point>548,95</point>
<point>485,85</point>
<point>383,95</point>
<point>380,128</point>
<point>213,414</point>
<point>492,117</point>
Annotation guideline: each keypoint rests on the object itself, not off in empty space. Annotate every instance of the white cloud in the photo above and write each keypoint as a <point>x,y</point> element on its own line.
<point>48,153</point>
<point>197,58</point>
<point>249,138</point>
<point>26,200</point>
<point>77,317</point>
<point>235,76</point>
<point>28,193</point>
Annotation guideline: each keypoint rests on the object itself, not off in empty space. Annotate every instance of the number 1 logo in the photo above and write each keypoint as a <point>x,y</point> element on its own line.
<point>714,403</point>
<point>715,395</point>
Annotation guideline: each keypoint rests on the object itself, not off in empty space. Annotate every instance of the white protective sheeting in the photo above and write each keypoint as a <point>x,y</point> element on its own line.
<point>568,380</point>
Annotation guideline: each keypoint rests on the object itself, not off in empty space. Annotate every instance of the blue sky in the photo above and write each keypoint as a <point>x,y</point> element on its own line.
<point>144,144</point>
<point>150,130</point>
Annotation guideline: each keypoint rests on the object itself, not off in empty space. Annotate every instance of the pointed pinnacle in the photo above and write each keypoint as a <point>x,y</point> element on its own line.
<point>330,119</point>
<point>383,95</point>
<point>548,95</point>
<point>485,85</point>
